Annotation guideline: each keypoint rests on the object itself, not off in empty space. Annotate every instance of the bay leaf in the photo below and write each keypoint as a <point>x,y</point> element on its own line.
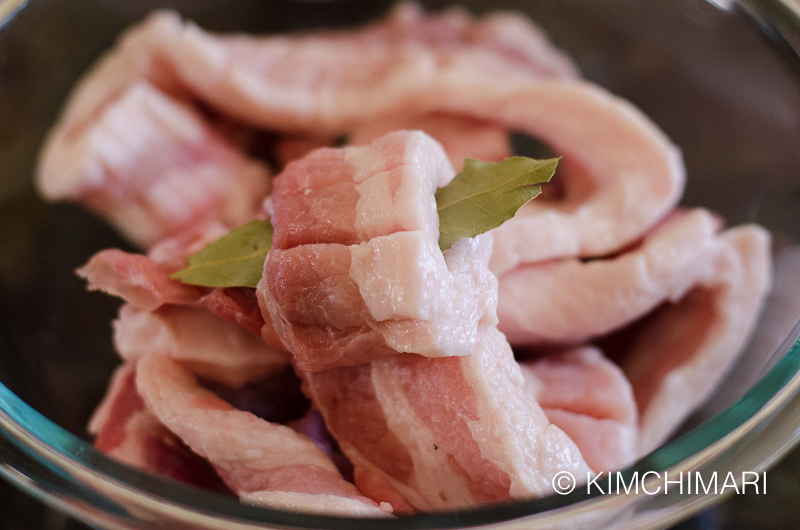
<point>480,198</point>
<point>484,195</point>
<point>234,260</point>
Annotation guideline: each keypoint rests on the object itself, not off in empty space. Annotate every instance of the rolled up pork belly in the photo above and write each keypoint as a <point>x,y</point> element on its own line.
<point>437,417</point>
<point>356,273</point>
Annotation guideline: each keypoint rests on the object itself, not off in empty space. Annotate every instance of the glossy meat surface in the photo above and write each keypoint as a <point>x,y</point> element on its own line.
<point>443,432</point>
<point>591,400</point>
<point>572,301</point>
<point>356,272</point>
<point>264,463</point>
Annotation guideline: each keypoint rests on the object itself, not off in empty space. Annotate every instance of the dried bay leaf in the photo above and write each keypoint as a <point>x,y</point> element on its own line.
<point>480,198</point>
<point>234,260</point>
<point>484,195</point>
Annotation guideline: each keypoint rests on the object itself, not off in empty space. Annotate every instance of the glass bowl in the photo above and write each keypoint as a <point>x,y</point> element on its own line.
<point>720,78</point>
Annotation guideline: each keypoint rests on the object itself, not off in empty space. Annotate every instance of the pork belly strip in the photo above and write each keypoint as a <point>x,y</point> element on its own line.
<point>572,301</point>
<point>135,96</point>
<point>352,194</point>
<point>681,353</point>
<point>333,81</point>
<point>152,166</point>
<point>216,334</point>
<point>620,174</point>
<point>591,400</point>
<point>461,137</point>
<point>356,272</point>
<point>138,280</point>
<point>313,426</point>
<point>304,81</point>
<point>209,346</point>
<point>145,283</point>
<point>443,433</point>
<point>262,462</point>
<point>125,430</point>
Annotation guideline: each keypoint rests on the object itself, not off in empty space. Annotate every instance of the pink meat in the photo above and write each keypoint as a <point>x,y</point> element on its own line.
<point>136,103</point>
<point>138,280</point>
<point>443,433</point>
<point>153,167</point>
<point>591,400</point>
<point>350,195</point>
<point>619,173</point>
<point>264,463</point>
<point>572,301</point>
<point>238,305</point>
<point>678,355</point>
<point>332,81</point>
<point>145,284</point>
<point>305,82</point>
<point>128,432</point>
<point>206,344</point>
<point>461,137</point>
<point>356,272</point>
<point>312,425</point>
<point>174,251</point>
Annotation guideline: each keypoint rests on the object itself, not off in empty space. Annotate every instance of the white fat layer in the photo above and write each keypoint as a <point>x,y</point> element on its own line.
<point>450,294</point>
<point>434,484</point>
<point>513,432</point>
<point>576,301</point>
<point>738,281</point>
<point>214,347</point>
<point>319,504</point>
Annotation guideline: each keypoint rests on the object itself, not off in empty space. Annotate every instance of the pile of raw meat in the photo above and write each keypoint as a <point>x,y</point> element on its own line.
<point>370,373</point>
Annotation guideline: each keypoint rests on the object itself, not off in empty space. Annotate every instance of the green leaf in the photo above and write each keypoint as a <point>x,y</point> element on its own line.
<point>481,197</point>
<point>234,260</point>
<point>484,195</point>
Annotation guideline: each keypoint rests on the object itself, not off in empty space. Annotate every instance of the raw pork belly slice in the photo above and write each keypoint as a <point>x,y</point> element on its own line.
<point>462,137</point>
<point>442,433</point>
<point>313,426</point>
<point>135,103</point>
<point>153,167</point>
<point>130,433</point>
<point>138,280</point>
<point>208,345</point>
<point>238,305</point>
<point>174,251</point>
<point>264,463</point>
<point>356,273</point>
<point>572,301</point>
<point>145,284</point>
<point>620,173</point>
<point>329,82</point>
<point>682,351</point>
<point>591,400</point>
